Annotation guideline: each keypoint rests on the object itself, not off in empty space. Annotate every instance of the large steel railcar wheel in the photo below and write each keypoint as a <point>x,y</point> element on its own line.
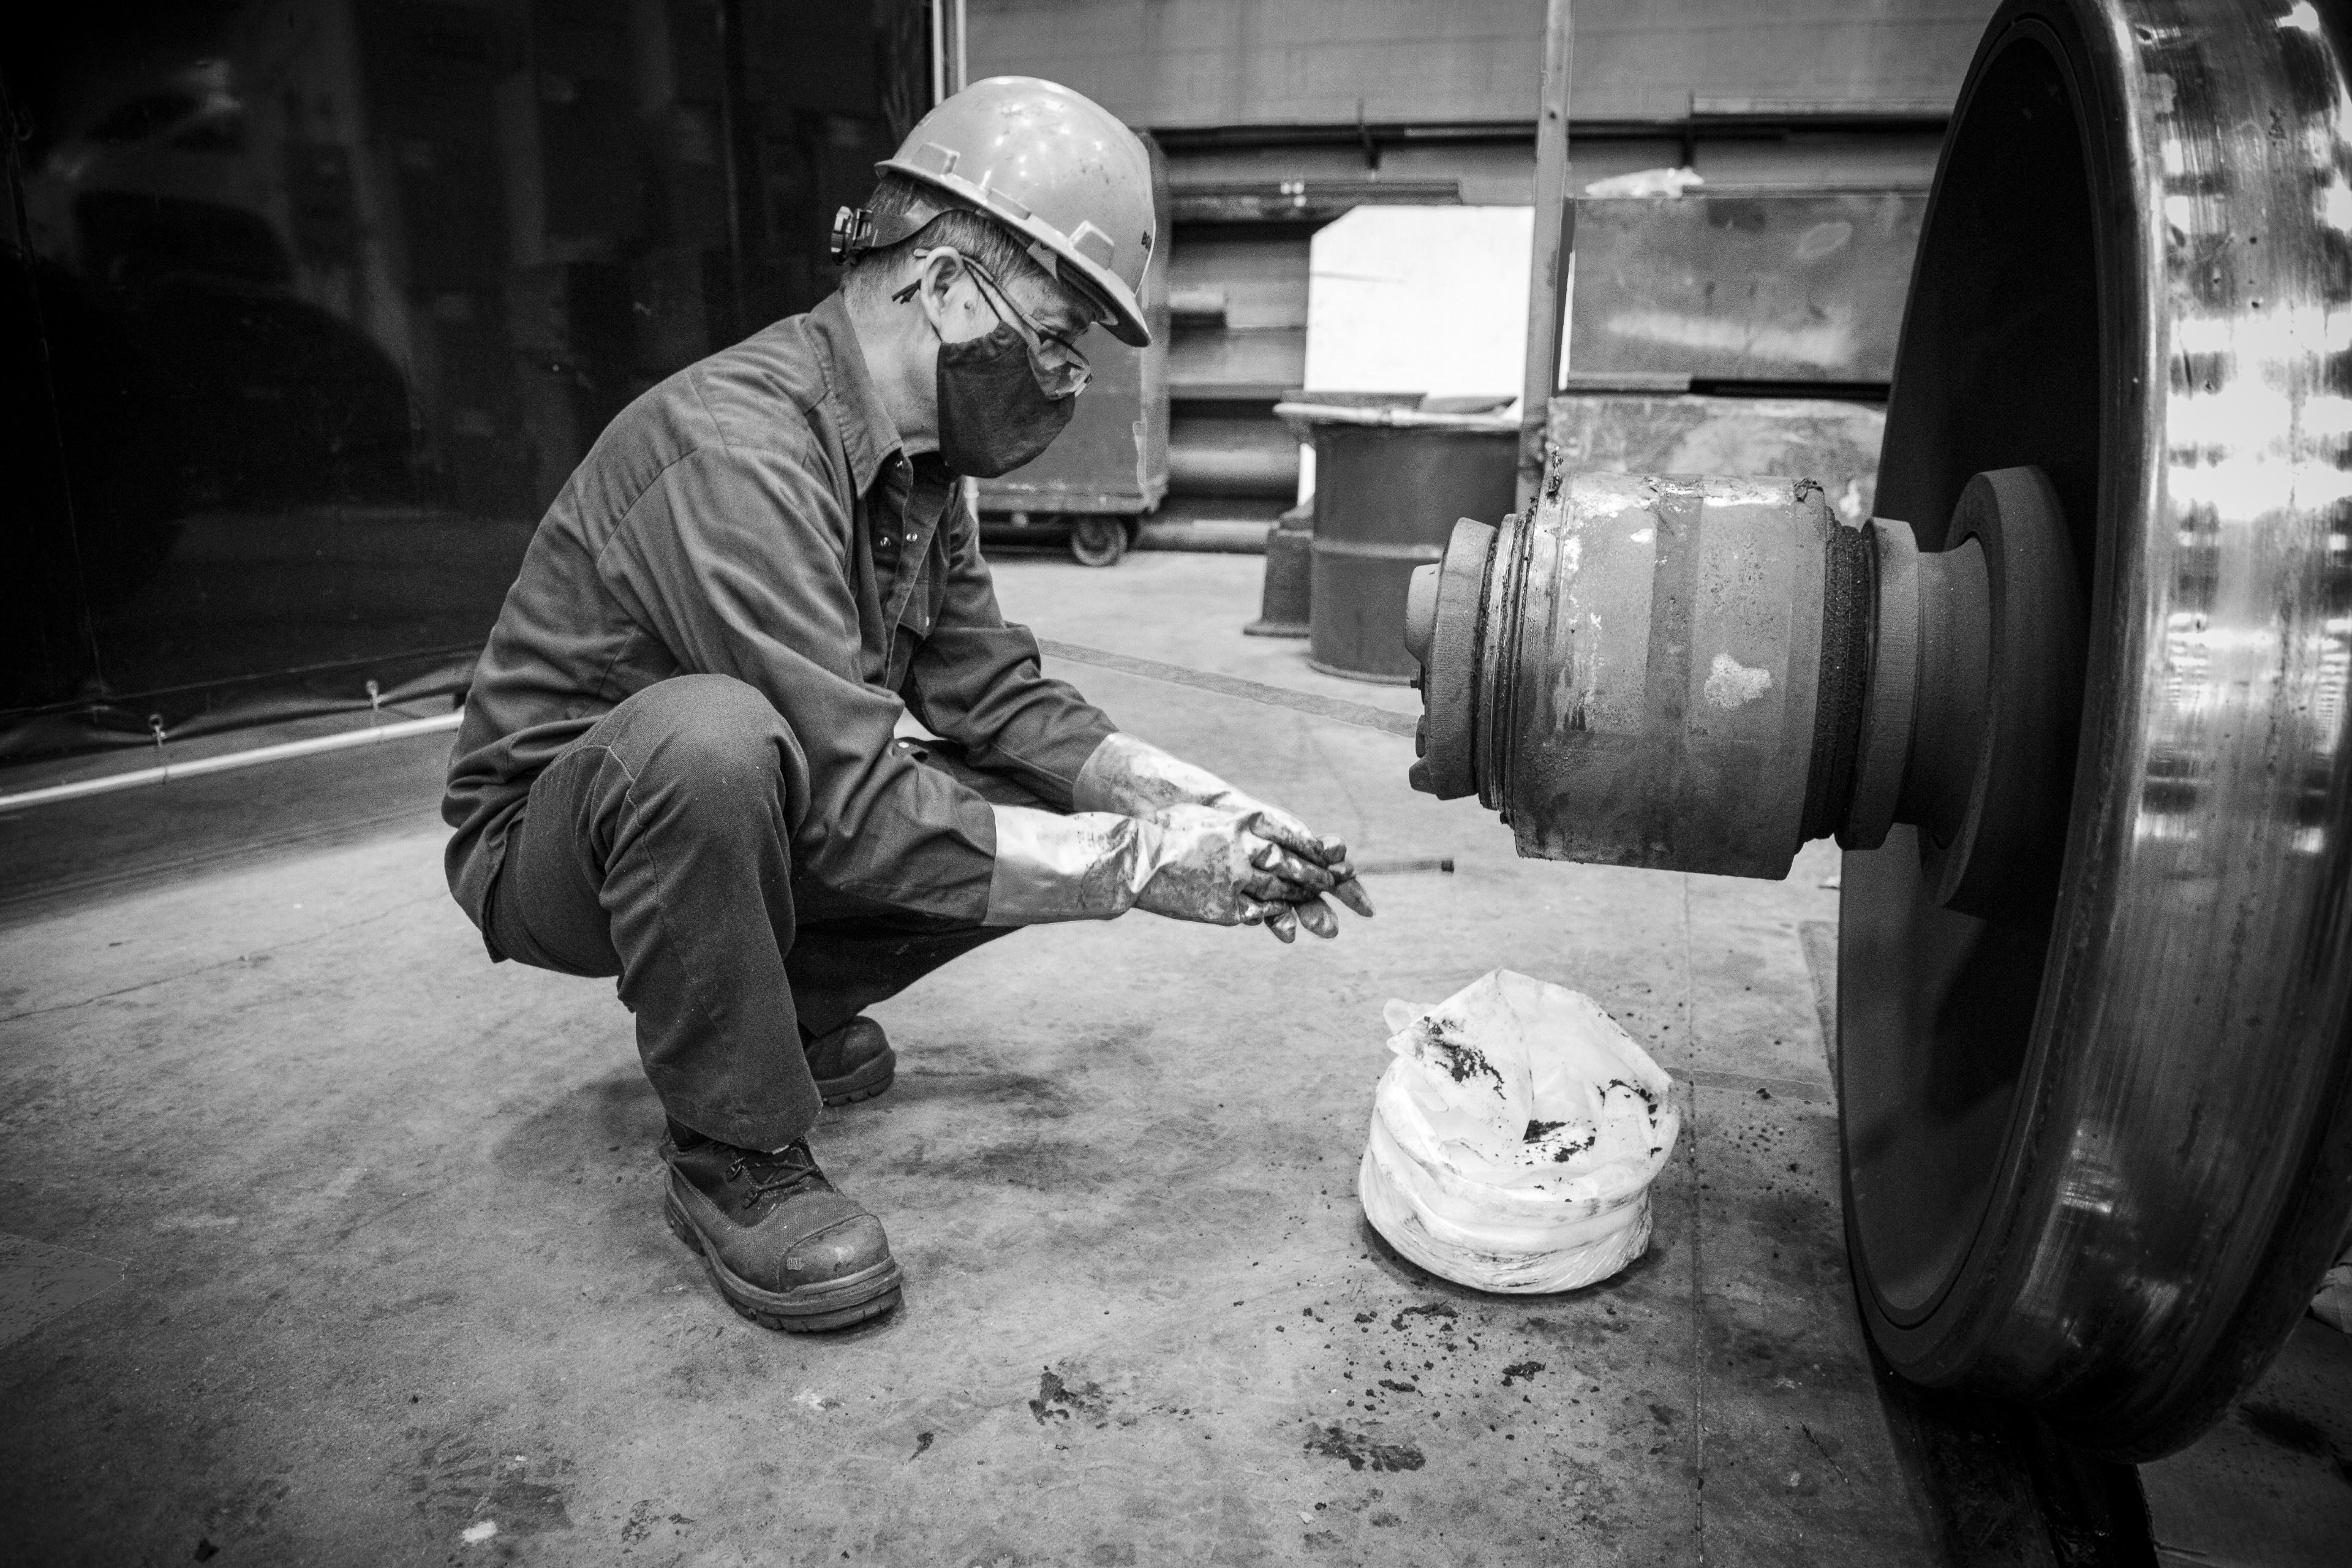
<point>2096,1157</point>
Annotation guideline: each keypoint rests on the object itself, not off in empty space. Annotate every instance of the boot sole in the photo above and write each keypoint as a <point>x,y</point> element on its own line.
<point>864,1084</point>
<point>836,1304</point>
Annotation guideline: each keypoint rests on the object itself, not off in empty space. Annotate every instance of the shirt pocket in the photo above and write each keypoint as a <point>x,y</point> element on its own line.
<point>919,617</point>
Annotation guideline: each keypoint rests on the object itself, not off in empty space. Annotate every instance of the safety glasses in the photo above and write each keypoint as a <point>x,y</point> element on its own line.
<point>1062,370</point>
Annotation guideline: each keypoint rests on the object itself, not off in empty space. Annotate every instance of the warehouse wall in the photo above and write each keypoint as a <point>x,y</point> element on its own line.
<point>1258,102</point>
<point>1225,62</point>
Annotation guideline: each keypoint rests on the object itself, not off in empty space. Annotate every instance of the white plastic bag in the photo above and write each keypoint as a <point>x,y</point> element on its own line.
<point>1515,1137</point>
<point>1656,183</point>
<point>2333,1304</point>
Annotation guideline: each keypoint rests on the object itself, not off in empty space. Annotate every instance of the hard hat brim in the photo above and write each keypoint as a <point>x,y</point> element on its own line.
<point>1122,312</point>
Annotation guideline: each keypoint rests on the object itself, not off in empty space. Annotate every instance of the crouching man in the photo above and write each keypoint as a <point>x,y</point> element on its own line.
<point>679,764</point>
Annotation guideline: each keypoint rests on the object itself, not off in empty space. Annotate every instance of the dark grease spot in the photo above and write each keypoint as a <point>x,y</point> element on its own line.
<point>1427,1309</point>
<point>1358,1450</point>
<point>1460,1059</point>
<point>1648,1100</point>
<point>1059,1401</point>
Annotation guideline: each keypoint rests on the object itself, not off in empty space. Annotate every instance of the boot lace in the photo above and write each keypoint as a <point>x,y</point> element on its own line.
<point>789,1168</point>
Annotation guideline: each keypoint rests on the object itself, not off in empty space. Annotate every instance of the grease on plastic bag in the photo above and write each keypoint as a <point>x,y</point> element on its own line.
<point>1514,1136</point>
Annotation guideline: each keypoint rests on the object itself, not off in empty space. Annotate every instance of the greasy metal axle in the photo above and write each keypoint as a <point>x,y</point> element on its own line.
<point>1701,674</point>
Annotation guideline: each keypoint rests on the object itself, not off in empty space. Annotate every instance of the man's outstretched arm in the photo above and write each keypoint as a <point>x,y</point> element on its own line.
<point>1188,862</point>
<point>977,680</point>
<point>1137,779</point>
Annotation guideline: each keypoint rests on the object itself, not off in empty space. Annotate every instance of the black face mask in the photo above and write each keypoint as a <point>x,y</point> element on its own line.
<point>994,415</point>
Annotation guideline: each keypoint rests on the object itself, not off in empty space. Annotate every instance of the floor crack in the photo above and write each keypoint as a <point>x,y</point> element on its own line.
<point>1822,1450</point>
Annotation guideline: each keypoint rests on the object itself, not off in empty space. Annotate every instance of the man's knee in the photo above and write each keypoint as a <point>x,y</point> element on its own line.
<point>709,743</point>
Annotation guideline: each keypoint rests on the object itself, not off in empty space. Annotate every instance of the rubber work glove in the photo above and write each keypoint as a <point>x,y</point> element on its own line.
<point>1217,865</point>
<point>1191,862</point>
<point>1136,778</point>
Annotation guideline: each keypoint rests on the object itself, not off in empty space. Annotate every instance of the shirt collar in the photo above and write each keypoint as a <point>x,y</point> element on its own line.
<point>868,436</point>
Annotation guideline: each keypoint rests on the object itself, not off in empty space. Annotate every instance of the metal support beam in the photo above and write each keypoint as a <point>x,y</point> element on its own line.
<point>1555,220</point>
<point>940,42</point>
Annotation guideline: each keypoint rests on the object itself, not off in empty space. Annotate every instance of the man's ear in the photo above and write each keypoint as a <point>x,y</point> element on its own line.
<point>940,270</point>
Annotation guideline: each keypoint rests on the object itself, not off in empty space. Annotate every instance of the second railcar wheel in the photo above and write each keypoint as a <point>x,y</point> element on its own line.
<point>2096,1154</point>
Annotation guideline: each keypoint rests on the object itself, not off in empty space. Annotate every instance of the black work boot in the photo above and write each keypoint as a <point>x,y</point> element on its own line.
<point>784,1248</point>
<point>852,1063</point>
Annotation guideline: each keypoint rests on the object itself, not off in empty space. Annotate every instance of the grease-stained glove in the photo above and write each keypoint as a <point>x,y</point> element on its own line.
<point>1189,862</point>
<point>1088,866</point>
<point>1216,866</point>
<point>1136,778</point>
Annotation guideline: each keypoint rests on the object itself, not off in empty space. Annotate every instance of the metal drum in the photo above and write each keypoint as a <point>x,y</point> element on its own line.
<point>1289,557</point>
<point>1389,484</point>
<point>2095,939</point>
<point>1289,544</point>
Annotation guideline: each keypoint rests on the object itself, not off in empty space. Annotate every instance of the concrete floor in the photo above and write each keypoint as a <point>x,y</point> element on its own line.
<point>329,1242</point>
<point>2270,1485</point>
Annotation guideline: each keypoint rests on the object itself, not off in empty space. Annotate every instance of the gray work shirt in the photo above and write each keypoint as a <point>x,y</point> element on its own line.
<point>754,516</point>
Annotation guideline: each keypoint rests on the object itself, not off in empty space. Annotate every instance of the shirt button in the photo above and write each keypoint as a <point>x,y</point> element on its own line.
<point>910,539</point>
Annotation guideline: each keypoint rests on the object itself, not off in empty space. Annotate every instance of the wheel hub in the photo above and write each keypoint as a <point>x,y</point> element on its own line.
<point>1701,674</point>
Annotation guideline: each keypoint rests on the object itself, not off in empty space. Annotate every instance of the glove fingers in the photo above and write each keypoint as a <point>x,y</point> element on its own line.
<point>1351,893</point>
<point>1317,916</point>
<point>1283,923</point>
<point>1267,888</point>
<point>1301,874</point>
<point>1270,822</point>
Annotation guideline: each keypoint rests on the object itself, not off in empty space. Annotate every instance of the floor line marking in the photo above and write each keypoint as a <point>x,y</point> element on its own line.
<point>246,957</point>
<point>1785,1088</point>
<point>1363,715</point>
<point>32,905</point>
<point>1698,1226</point>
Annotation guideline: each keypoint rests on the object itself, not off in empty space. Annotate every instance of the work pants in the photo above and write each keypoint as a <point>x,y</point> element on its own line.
<point>655,849</point>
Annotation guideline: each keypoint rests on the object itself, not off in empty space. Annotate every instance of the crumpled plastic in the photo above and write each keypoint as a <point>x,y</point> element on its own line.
<point>1514,1136</point>
<point>1653,182</point>
<point>2333,1303</point>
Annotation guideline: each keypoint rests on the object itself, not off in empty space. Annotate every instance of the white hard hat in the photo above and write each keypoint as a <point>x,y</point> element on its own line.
<point>1052,165</point>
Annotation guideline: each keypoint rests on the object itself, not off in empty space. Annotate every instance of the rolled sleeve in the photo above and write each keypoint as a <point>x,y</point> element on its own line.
<point>977,680</point>
<point>734,558</point>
